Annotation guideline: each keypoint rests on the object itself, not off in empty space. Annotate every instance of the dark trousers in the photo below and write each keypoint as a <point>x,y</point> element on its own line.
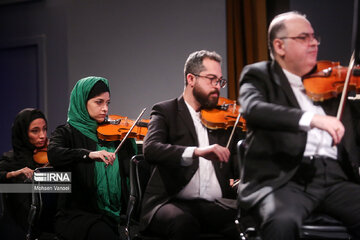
<point>186,219</point>
<point>280,214</point>
<point>81,225</point>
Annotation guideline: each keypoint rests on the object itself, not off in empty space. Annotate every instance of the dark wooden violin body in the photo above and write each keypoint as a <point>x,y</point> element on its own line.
<point>328,81</point>
<point>118,126</point>
<point>40,155</point>
<point>223,116</point>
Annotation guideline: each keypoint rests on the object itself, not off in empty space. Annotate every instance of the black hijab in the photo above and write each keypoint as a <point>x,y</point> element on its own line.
<point>23,149</point>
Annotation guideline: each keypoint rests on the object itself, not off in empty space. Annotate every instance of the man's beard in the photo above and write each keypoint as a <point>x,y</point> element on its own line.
<point>204,99</point>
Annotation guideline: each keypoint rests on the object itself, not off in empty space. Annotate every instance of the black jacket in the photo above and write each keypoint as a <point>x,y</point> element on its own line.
<point>170,131</point>
<point>69,151</point>
<point>274,144</point>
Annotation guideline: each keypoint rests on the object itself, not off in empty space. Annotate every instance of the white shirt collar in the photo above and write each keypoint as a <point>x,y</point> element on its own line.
<point>193,113</point>
<point>294,80</point>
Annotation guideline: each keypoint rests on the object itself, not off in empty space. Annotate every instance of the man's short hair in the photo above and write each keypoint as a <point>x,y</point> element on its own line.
<point>194,63</point>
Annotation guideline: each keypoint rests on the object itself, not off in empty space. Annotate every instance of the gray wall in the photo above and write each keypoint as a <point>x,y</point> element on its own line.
<point>139,45</point>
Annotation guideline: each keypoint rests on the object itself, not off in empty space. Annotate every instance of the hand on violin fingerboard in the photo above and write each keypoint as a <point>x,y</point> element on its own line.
<point>213,152</point>
<point>329,124</point>
<point>103,156</point>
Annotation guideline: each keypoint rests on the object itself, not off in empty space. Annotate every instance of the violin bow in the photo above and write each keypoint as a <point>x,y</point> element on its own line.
<point>345,89</point>
<point>127,134</point>
<point>233,130</point>
<point>232,134</point>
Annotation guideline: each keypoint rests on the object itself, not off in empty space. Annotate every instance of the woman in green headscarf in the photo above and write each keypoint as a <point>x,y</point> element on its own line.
<point>99,177</point>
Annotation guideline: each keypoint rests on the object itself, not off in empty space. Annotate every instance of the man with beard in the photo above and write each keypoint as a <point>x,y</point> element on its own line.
<point>189,192</point>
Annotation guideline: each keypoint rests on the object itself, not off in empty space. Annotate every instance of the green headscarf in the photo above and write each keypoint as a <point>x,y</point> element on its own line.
<point>108,179</point>
<point>78,116</point>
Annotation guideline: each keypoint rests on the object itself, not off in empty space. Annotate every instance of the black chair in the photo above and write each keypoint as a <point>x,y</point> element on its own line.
<point>42,212</point>
<point>140,172</point>
<point>317,226</point>
<point>321,226</point>
<point>2,206</point>
<point>139,175</point>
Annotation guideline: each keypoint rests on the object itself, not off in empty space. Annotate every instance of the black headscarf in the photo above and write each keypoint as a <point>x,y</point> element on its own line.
<point>23,149</point>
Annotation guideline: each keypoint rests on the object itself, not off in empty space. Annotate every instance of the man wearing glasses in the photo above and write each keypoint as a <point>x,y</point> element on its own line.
<point>298,156</point>
<point>189,191</point>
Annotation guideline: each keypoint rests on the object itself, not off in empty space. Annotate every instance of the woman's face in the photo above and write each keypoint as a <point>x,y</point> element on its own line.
<point>37,132</point>
<point>98,107</point>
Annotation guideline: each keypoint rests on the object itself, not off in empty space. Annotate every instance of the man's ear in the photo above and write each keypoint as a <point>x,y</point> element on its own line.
<point>190,78</point>
<point>279,47</point>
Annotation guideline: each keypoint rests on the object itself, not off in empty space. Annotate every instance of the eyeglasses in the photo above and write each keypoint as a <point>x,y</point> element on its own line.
<point>214,80</point>
<point>305,38</point>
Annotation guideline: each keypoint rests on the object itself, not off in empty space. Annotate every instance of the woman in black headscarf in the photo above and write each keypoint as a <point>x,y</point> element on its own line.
<point>29,133</point>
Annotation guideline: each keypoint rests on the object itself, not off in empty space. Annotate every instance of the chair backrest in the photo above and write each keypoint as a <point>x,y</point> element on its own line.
<point>139,176</point>
<point>2,206</point>
<point>43,209</point>
<point>243,233</point>
<point>240,157</point>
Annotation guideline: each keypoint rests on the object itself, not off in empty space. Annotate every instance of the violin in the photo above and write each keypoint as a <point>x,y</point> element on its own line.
<point>40,155</point>
<point>328,81</point>
<point>224,115</point>
<point>116,127</point>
